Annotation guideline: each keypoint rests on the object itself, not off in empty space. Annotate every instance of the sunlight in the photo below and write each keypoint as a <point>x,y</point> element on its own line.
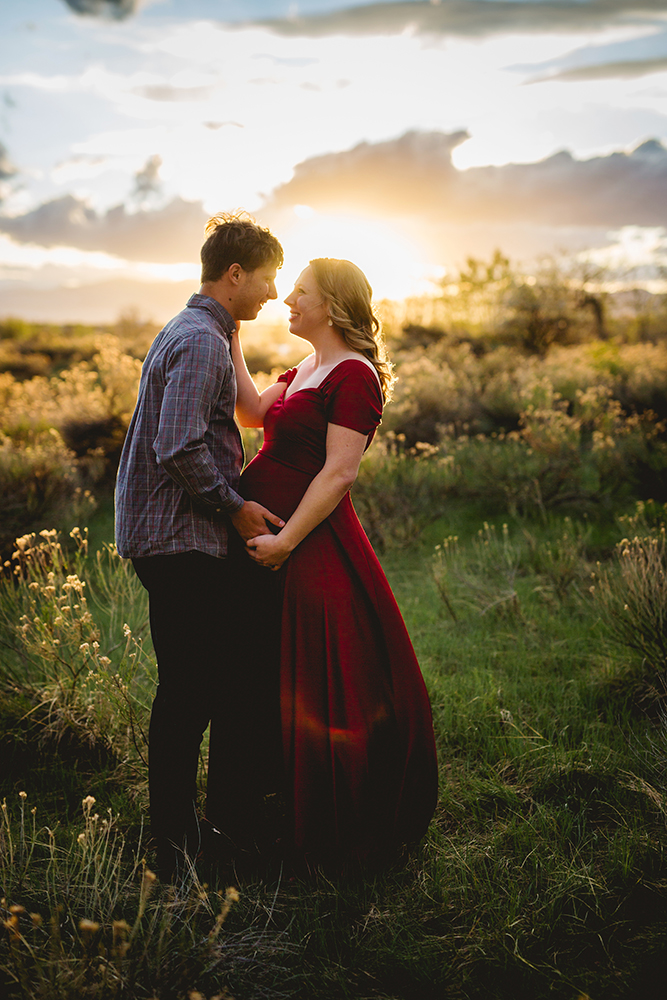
<point>393,263</point>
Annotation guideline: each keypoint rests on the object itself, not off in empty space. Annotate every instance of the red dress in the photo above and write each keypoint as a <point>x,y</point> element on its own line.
<point>357,733</point>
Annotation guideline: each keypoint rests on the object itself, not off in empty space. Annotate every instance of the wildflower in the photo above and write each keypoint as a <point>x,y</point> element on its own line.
<point>104,661</point>
<point>88,802</point>
<point>121,945</point>
<point>149,877</point>
<point>23,795</point>
<point>148,881</point>
<point>36,919</point>
<point>88,927</point>
<point>12,926</point>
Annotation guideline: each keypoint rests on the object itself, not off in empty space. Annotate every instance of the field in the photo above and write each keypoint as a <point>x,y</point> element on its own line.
<point>516,495</point>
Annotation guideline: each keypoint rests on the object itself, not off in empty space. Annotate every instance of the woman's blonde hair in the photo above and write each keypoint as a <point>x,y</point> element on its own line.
<point>345,288</point>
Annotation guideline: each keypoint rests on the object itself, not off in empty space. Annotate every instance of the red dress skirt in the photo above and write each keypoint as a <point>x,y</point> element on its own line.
<point>358,746</point>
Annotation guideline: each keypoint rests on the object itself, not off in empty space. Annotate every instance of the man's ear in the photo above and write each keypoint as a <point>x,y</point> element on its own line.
<point>234,273</point>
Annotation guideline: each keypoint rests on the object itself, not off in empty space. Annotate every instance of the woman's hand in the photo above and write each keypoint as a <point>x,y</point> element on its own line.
<point>267,550</point>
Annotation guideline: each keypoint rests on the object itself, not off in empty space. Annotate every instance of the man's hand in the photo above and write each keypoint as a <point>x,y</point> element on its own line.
<point>250,520</point>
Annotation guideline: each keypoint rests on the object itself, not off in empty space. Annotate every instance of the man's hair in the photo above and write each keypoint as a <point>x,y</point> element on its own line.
<point>237,239</point>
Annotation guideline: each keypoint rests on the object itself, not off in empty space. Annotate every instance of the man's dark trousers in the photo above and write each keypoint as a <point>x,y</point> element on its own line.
<point>194,628</point>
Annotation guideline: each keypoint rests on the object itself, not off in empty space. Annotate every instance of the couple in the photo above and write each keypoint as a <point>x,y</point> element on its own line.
<point>270,615</point>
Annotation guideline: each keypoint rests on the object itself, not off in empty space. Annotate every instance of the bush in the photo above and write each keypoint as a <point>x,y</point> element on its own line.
<point>632,594</point>
<point>78,624</point>
<point>429,395</point>
<point>398,493</point>
<point>89,405</point>
<point>561,456</point>
<point>39,483</point>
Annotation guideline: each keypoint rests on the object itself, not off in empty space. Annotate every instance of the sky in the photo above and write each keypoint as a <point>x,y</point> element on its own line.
<point>405,136</point>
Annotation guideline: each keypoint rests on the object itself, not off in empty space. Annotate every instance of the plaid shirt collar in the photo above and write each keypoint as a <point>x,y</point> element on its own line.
<point>218,312</point>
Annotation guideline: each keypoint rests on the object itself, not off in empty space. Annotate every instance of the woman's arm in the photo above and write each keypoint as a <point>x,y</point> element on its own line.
<point>345,448</point>
<point>251,405</point>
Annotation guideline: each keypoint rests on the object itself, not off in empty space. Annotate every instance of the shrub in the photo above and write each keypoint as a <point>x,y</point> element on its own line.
<point>429,395</point>
<point>398,493</point>
<point>78,626</point>
<point>632,596</point>
<point>93,404</point>
<point>89,405</point>
<point>561,456</point>
<point>39,483</point>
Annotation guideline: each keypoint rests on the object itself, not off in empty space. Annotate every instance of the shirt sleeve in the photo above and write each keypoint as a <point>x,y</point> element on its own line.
<point>353,397</point>
<point>197,368</point>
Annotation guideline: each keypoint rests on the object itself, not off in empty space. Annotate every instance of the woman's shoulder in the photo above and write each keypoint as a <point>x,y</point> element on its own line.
<point>357,369</point>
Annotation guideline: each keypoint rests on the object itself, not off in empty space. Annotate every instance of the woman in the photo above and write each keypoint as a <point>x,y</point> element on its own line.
<point>358,747</point>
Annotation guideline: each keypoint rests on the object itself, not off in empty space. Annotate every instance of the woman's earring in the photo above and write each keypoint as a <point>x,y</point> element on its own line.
<point>330,321</point>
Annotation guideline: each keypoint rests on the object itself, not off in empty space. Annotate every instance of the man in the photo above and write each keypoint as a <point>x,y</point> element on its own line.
<point>176,505</point>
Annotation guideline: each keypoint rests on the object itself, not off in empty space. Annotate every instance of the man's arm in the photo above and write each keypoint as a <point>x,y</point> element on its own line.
<point>197,369</point>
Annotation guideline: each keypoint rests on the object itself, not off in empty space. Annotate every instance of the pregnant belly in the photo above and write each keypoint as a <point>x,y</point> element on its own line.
<point>277,487</point>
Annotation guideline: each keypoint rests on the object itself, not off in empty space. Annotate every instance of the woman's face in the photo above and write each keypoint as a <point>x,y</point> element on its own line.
<point>308,310</point>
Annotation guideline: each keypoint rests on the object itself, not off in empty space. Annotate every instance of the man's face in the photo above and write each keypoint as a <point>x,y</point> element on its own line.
<point>254,289</point>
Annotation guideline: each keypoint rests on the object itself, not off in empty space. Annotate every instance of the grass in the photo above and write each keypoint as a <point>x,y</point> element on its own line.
<point>543,873</point>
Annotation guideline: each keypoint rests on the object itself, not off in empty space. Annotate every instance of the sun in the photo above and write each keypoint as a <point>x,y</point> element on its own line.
<point>390,259</point>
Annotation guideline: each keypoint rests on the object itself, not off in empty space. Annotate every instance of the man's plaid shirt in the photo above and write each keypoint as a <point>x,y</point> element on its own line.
<point>183,454</point>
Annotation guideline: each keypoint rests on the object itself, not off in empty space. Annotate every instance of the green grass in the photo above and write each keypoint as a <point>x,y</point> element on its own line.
<point>543,873</point>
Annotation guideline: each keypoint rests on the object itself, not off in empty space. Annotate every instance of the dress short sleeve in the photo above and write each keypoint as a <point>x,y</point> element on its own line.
<point>353,397</point>
<point>287,376</point>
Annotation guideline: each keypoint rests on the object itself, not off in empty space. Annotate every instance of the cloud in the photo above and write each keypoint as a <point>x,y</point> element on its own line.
<point>166,92</point>
<point>171,234</point>
<point>413,175</point>
<point>471,18</point>
<point>401,176</point>
<point>7,172</point>
<point>147,180</point>
<point>7,168</point>
<point>622,69</point>
<point>117,9</point>
<point>406,182</point>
